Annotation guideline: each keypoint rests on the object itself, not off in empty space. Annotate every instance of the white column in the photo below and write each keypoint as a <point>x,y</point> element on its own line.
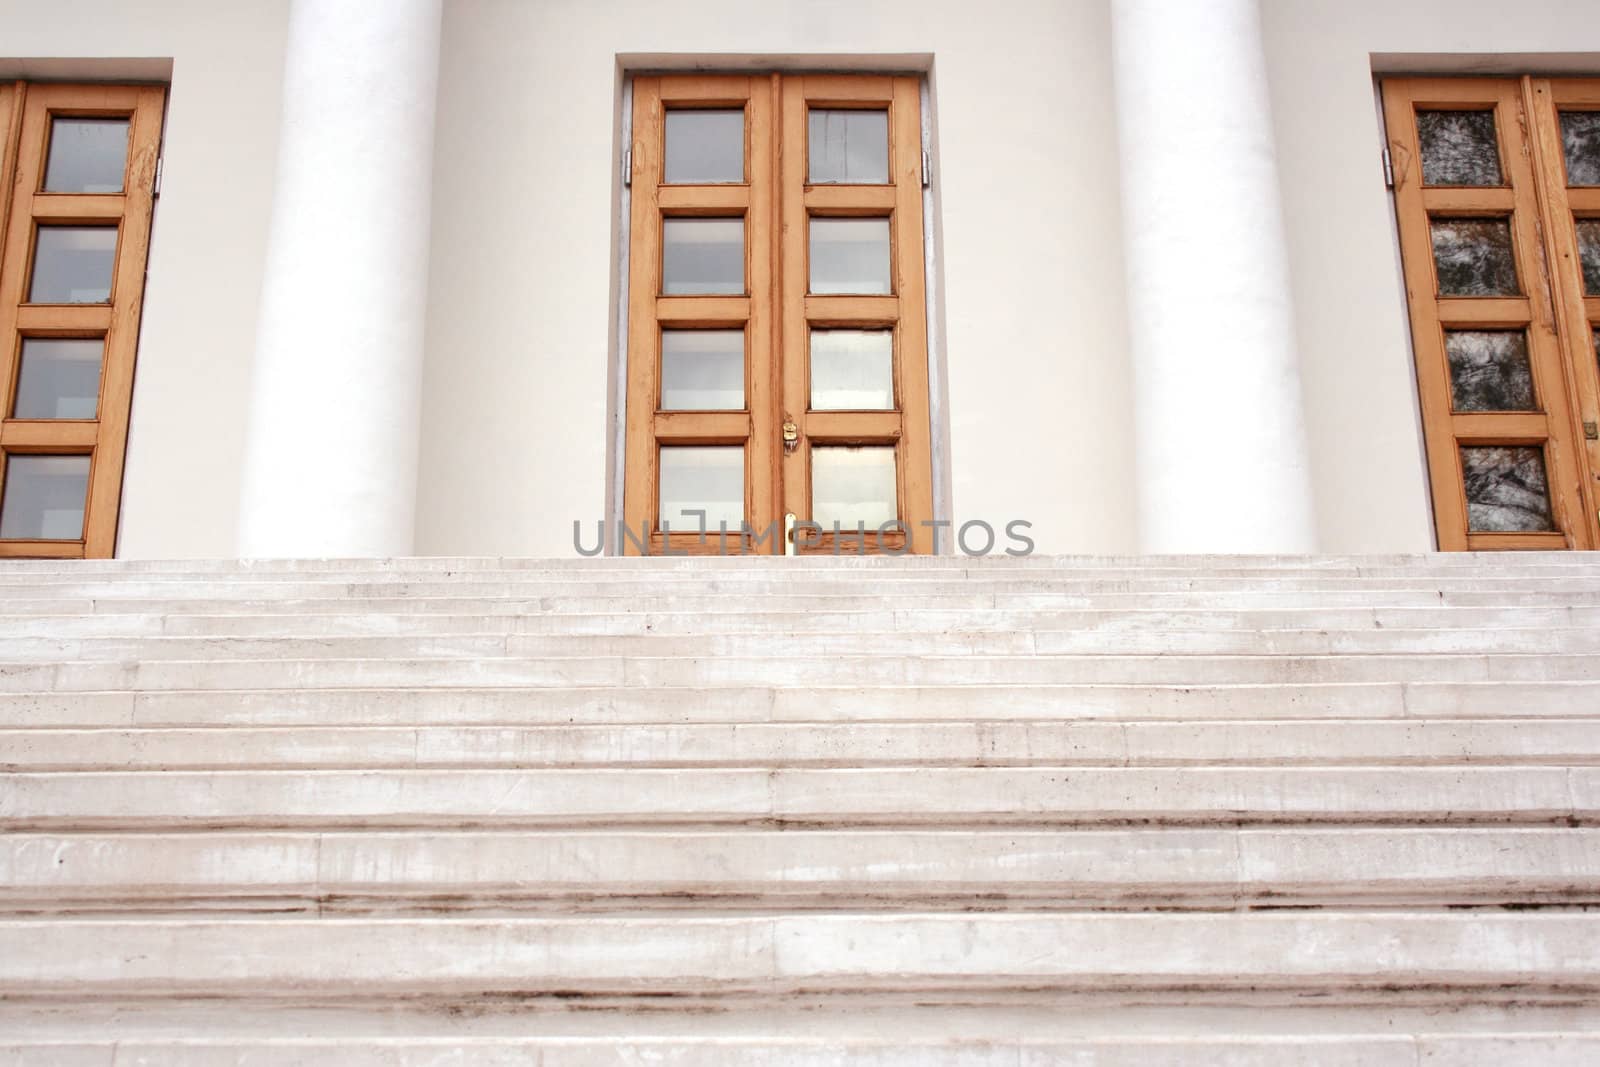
<point>1221,442</point>
<point>330,465</point>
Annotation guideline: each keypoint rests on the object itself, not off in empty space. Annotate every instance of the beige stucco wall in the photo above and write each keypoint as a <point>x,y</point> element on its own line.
<point>1361,411</point>
<point>515,431</point>
<point>181,488</point>
<point>515,427</point>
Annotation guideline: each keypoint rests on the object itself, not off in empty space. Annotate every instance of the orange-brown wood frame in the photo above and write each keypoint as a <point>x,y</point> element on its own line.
<point>26,111</point>
<point>1565,391</point>
<point>777,310</point>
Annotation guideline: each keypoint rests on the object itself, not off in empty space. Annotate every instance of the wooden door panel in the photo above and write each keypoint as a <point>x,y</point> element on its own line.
<point>1494,370</point>
<point>29,115</point>
<point>777,312</point>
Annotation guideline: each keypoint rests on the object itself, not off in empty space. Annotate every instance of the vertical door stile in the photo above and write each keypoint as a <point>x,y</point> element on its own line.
<point>1533,264</point>
<point>792,295</point>
<point>761,235</point>
<point>644,336</point>
<point>1573,325</point>
<point>911,346</point>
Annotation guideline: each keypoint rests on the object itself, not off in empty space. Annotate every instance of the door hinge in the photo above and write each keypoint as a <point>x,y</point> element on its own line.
<point>1388,170</point>
<point>927,169</point>
<point>627,167</point>
<point>155,186</point>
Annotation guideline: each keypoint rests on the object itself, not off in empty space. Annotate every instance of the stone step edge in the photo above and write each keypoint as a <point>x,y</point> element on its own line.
<point>1032,796</point>
<point>1571,1049</point>
<point>979,869</point>
<point>1309,951</point>
<point>1339,742</point>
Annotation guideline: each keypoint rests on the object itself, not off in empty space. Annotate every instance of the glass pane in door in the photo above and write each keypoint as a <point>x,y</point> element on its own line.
<point>702,478</point>
<point>853,486</point>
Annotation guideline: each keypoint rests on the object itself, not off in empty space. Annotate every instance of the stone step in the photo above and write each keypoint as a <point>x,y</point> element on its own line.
<point>1025,1032</point>
<point>656,672</point>
<point>1317,642</point>
<point>880,620</point>
<point>513,706</point>
<point>1321,742</point>
<point>1010,796</point>
<point>1489,562</point>
<point>1076,1029</point>
<point>766,584</point>
<point>1336,955</point>
<point>1012,1050</point>
<point>361,872</point>
<point>733,601</point>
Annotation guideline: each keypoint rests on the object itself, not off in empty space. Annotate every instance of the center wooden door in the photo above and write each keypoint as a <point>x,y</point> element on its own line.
<point>777,390</point>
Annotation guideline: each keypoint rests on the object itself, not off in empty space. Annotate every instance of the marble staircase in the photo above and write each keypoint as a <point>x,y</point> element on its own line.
<point>974,812</point>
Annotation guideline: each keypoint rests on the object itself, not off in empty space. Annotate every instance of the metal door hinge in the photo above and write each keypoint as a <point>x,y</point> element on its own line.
<point>627,166</point>
<point>155,186</point>
<point>927,169</point>
<point>1388,170</point>
<point>1591,431</point>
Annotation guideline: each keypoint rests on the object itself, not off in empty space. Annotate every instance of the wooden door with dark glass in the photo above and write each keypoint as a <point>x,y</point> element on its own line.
<point>1506,380</point>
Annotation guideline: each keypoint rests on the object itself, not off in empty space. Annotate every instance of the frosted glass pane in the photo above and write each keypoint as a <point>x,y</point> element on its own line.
<point>73,265</point>
<point>702,257</point>
<point>704,147</point>
<point>1458,148</point>
<point>851,486</point>
<point>1580,140</point>
<point>848,147</point>
<point>86,156</point>
<point>1506,489</point>
<point>1474,257</point>
<point>44,498</point>
<point>850,256</point>
<point>701,478</point>
<point>702,370</point>
<point>60,378</point>
<point>852,370</point>
<point>1489,370</point>
<point>1589,254</point>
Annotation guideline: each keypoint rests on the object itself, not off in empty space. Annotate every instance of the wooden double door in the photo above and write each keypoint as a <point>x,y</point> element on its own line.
<point>777,363</point>
<point>1497,193</point>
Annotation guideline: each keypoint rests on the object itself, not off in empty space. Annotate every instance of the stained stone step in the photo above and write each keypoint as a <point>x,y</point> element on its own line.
<point>764,585</point>
<point>362,872</point>
<point>512,706</point>
<point>824,565</point>
<point>1019,1050</point>
<point>1496,562</point>
<point>790,671</point>
<point>1337,955</point>
<point>733,601</point>
<point>885,644</point>
<point>881,619</point>
<point>1068,795</point>
<point>1323,742</point>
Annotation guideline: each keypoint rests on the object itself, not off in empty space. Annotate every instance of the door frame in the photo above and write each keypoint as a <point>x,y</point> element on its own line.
<point>1530,199</point>
<point>934,412</point>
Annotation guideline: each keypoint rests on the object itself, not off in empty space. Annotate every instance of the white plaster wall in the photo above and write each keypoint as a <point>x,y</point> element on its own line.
<point>181,490</point>
<point>519,325</point>
<point>1361,412</point>
<point>515,430</point>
